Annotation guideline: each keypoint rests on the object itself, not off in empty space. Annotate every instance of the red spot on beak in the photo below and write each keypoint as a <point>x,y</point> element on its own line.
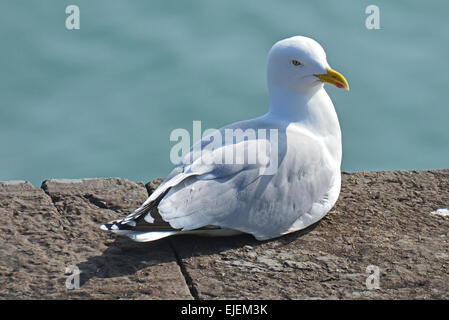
<point>339,85</point>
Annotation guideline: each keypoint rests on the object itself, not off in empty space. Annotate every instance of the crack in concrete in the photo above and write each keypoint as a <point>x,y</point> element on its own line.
<point>62,215</point>
<point>95,201</point>
<point>187,279</point>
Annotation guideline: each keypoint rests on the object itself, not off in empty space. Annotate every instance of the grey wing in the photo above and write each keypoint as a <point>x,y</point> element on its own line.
<point>207,190</point>
<point>266,206</point>
<point>172,206</point>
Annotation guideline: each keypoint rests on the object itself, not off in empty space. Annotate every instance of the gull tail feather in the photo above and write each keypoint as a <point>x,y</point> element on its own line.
<point>136,227</point>
<point>146,224</point>
<point>130,230</point>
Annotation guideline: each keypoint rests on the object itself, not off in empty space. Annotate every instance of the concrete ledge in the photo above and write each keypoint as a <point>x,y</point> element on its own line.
<point>382,219</point>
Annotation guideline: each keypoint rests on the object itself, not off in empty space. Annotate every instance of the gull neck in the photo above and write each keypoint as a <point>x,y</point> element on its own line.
<point>292,106</point>
<point>315,112</point>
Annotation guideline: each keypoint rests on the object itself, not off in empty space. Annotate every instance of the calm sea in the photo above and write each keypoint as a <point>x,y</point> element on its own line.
<point>102,101</point>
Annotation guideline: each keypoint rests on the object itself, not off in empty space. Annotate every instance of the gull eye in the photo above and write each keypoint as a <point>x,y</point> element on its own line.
<point>296,63</point>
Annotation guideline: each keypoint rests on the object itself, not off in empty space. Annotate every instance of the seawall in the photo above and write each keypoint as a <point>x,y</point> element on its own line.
<point>381,222</point>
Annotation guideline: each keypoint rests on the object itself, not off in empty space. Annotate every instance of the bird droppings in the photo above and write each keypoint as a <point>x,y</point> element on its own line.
<point>441,212</point>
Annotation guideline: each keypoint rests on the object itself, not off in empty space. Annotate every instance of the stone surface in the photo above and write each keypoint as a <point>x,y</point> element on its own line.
<point>57,226</point>
<point>30,231</point>
<point>381,220</point>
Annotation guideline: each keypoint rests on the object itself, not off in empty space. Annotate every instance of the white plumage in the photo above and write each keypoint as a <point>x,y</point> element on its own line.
<point>302,143</point>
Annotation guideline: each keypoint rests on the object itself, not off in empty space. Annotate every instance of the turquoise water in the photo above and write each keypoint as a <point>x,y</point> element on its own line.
<point>101,101</point>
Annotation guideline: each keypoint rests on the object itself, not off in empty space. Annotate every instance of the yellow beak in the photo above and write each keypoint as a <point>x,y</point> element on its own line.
<point>333,77</point>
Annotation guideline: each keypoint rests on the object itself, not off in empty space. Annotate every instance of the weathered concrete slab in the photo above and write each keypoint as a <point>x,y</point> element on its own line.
<point>30,231</point>
<point>49,229</point>
<point>382,219</point>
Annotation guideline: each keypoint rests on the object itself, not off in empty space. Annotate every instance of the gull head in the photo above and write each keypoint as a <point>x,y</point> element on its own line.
<point>298,64</point>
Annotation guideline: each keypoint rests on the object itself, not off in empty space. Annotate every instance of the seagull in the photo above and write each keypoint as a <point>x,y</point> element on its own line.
<point>267,176</point>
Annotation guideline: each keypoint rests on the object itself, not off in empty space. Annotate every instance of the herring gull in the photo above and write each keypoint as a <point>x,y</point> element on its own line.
<point>277,174</point>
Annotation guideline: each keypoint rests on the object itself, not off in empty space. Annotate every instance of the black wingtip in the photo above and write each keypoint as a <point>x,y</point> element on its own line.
<point>118,225</point>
